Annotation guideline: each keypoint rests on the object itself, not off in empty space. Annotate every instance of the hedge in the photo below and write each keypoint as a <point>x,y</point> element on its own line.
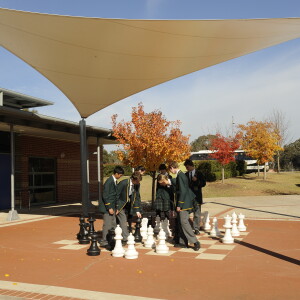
<point>241,167</point>
<point>212,169</point>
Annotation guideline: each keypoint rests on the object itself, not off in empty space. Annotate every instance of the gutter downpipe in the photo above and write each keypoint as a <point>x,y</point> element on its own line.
<point>12,214</point>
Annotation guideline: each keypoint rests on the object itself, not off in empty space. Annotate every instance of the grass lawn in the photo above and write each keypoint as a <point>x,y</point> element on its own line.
<point>287,183</point>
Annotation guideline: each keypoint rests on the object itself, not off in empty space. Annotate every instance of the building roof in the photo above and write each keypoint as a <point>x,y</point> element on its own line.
<point>96,62</point>
<point>29,123</point>
<point>17,100</point>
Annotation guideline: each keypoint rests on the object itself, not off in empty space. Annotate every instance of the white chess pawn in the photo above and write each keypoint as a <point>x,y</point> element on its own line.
<point>150,243</point>
<point>215,230</point>
<point>118,250</point>
<point>241,226</point>
<point>207,226</point>
<point>227,239</point>
<point>162,248</point>
<point>234,229</point>
<point>144,228</point>
<point>131,253</point>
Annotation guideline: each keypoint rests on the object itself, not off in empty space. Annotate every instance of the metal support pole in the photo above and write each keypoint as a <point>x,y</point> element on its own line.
<point>99,170</point>
<point>13,214</point>
<point>83,161</point>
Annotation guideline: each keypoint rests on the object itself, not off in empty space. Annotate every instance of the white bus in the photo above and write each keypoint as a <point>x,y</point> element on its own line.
<point>239,155</point>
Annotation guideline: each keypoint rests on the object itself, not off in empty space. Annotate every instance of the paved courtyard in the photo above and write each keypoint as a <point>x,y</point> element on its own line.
<point>41,259</point>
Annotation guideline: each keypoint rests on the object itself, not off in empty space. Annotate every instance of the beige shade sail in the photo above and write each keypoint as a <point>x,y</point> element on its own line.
<point>96,62</point>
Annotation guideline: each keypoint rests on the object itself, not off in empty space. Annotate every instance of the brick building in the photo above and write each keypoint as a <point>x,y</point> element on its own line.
<point>46,151</point>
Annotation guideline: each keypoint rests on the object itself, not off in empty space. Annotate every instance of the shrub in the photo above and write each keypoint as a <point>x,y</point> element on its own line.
<point>212,169</point>
<point>241,167</point>
<point>108,169</point>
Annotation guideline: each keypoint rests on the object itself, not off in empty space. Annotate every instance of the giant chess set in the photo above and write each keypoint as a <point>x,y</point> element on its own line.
<point>157,240</point>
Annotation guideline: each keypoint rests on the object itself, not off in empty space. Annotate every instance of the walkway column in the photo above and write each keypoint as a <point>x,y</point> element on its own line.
<point>99,168</point>
<point>13,214</point>
<point>83,162</point>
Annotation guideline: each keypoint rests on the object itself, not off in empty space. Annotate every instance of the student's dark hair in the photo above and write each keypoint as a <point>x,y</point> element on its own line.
<point>162,167</point>
<point>119,170</point>
<point>140,168</point>
<point>135,176</point>
<point>189,162</point>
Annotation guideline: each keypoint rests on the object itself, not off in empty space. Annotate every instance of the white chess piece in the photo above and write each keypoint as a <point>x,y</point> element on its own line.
<point>234,229</point>
<point>150,243</point>
<point>157,225</point>
<point>144,228</point>
<point>162,248</point>
<point>207,226</point>
<point>168,229</point>
<point>241,226</point>
<point>215,230</point>
<point>131,253</point>
<point>227,239</point>
<point>203,219</point>
<point>118,250</point>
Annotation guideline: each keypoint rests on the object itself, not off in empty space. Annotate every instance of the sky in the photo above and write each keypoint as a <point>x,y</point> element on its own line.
<point>214,99</point>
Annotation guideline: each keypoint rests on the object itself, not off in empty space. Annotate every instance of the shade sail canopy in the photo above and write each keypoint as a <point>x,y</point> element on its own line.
<point>96,62</point>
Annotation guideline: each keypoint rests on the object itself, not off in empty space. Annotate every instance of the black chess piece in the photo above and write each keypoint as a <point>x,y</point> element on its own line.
<point>81,230</point>
<point>111,239</point>
<point>84,238</point>
<point>94,250</point>
<point>150,222</point>
<point>91,220</point>
<point>137,234</point>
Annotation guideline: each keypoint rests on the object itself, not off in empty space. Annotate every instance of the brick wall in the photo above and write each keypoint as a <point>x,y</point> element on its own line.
<point>67,156</point>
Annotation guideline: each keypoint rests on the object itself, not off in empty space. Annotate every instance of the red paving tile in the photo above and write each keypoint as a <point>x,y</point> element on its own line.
<point>265,265</point>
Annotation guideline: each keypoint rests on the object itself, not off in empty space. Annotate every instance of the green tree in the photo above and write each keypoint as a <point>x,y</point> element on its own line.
<point>290,158</point>
<point>203,142</point>
<point>110,157</point>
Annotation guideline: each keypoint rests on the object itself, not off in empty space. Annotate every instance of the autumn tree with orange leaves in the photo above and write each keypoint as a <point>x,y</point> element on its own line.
<point>149,139</point>
<point>260,141</point>
<point>223,150</point>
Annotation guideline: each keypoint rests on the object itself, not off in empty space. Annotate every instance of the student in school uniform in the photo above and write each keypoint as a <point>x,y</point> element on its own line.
<point>164,200</point>
<point>184,206</point>
<point>196,183</point>
<point>129,202</point>
<point>108,203</point>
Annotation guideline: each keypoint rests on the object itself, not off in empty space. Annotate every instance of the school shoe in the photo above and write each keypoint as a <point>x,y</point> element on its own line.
<point>197,246</point>
<point>197,232</point>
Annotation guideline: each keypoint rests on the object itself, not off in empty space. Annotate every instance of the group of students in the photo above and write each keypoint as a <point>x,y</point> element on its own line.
<point>175,198</point>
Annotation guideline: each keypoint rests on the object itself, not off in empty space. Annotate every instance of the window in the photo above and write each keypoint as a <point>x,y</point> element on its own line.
<point>42,180</point>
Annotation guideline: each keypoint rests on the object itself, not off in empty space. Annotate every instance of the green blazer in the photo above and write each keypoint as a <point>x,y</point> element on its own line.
<point>132,203</point>
<point>109,196</point>
<point>184,195</point>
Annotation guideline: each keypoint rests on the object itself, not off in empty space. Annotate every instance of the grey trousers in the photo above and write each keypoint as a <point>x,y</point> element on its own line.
<point>122,218</point>
<point>186,226</point>
<point>109,222</point>
<point>197,216</point>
